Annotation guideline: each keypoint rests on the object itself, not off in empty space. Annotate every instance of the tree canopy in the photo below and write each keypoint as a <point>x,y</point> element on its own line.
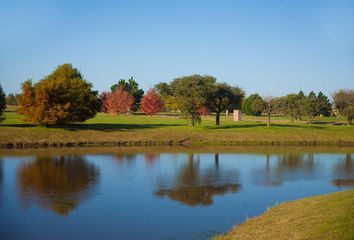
<point>62,97</point>
<point>344,102</point>
<point>2,103</point>
<point>247,105</point>
<point>223,97</point>
<point>132,87</point>
<point>191,93</point>
<point>151,103</point>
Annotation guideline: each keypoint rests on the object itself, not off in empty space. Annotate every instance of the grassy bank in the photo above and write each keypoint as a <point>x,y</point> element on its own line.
<point>107,129</point>
<point>322,217</point>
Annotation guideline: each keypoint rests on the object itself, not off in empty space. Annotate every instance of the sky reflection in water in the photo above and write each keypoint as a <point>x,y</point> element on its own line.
<point>155,196</point>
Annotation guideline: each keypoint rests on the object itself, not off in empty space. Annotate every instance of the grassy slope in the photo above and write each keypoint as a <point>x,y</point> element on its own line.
<point>322,217</point>
<point>107,127</point>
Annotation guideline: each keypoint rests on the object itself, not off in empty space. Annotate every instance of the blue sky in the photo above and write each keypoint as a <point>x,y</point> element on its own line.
<point>270,47</point>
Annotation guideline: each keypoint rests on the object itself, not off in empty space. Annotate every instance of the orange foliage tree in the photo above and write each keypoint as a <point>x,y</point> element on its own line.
<point>119,101</point>
<point>151,103</point>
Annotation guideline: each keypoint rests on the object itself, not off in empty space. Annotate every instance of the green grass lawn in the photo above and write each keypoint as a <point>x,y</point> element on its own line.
<point>168,127</point>
<point>323,217</point>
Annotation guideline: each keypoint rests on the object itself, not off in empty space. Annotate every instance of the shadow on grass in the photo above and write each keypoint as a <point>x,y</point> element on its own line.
<point>22,125</point>
<point>110,127</point>
<point>242,126</point>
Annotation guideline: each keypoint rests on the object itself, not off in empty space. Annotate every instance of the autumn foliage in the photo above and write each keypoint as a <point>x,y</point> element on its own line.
<point>62,97</point>
<point>205,111</point>
<point>151,103</point>
<point>119,101</point>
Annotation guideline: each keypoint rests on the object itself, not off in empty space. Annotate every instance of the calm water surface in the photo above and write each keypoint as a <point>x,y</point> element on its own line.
<point>155,196</point>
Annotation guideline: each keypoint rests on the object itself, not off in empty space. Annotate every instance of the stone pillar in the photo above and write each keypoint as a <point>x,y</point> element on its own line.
<point>237,115</point>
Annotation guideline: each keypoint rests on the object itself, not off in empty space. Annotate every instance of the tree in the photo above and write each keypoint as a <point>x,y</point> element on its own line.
<point>62,97</point>
<point>292,105</point>
<point>312,106</point>
<point>26,98</point>
<point>191,93</point>
<point>344,102</point>
<point>247,105</point>
<point>11,100</point>
<point>119,101</point>
<point>151,103</point>
<point>267,105</point>
<point>170,103</point>
<point>132,87</point>
<point>164,89</point>
<point>2,103</point>
<point>325,104</point>
<point>221,97</point>
<point>104,102</point>
<point>204,111</point>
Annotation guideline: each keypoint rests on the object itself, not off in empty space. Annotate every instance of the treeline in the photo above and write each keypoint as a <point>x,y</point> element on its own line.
<point>64,97</point>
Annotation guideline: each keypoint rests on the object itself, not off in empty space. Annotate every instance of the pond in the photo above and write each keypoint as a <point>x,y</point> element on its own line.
<point>179,195</point>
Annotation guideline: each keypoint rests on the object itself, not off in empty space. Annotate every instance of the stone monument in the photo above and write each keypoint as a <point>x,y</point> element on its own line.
<point>237,115</point>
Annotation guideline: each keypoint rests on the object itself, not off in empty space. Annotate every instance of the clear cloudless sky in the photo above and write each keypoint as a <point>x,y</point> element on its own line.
<point>265,46</point>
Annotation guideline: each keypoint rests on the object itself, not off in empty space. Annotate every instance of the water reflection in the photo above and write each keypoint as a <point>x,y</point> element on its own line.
<point>195,186</point>
<point>1,183</point>
<point>286,167</point>
<point>59,183</point>
<point>150,158</point>
<point>344,172</point>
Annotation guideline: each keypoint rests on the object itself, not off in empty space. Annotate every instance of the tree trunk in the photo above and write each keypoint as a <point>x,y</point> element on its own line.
<point>217,119</point>
<point>191,121</point>
<point>311,119</point>
<point>268,124</point>
<point>350,121</point>
<point>292,118</point>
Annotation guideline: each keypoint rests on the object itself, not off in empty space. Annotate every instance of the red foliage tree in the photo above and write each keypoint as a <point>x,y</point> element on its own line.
<point>119,101</point>
<point>151,103</point>
<point>104,99</point>
<point>204,111</point>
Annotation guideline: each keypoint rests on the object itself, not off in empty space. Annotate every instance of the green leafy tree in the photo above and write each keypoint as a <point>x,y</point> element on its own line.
<point>247,105</point>
<point>62,97</point>
<point>163,89</point>
<point>132,87</point>
<point>344,102</point>
<point>11,100</point>
<point>292,105</point>
<point>267,105</point>
<point>312,106</point>
<point>2,103</point>
<point>191,94</point>
<point>221,97</point>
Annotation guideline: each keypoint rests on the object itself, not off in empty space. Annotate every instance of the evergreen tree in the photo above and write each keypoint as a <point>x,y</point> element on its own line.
<point>2,103</point>
<point>325,103</point>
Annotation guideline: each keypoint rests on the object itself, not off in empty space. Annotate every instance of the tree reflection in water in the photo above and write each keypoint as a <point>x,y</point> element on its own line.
<point>194,186</point>
<point>345,170</point>
<point>1,183</point>
<point>286,167</point>
<point>58,183</point>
